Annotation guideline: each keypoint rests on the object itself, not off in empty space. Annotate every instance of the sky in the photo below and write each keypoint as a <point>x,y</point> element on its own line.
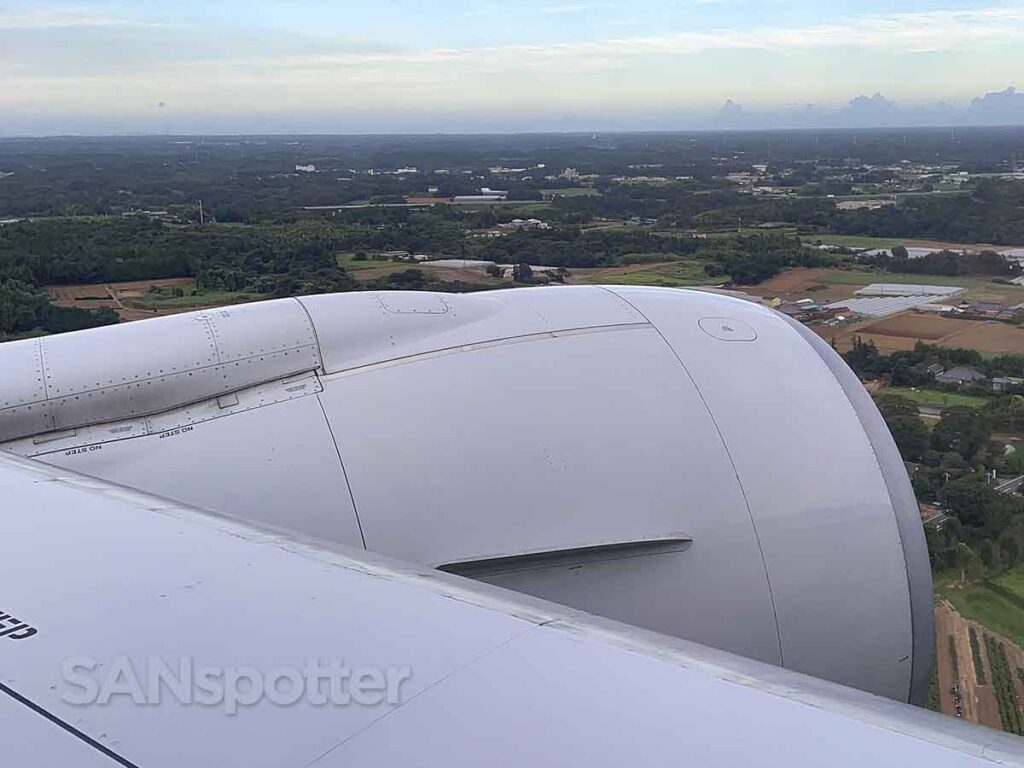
<point>342,66</point>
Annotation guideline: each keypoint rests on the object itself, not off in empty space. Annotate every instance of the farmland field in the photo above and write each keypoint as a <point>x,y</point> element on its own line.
<point>997,603</point>
<point>932,398</point>
<point>927,327</point>
<point>828,284</point>
<point>863,241</point>
<point>749,231</point>
<point>349,262</point>
<point>162,300</point>
<point>799,283</point>
<point>851,241</point>
<point>570,192</point>
<point>143,298</point>
<point>956,669</point>
<point>980,659</point>
<point>906,329</point>
<point>676,274</point>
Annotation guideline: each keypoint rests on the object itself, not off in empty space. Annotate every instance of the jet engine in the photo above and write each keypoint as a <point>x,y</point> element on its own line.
<point>683,461</point>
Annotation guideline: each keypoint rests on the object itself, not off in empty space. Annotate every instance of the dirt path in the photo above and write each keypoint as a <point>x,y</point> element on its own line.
<point>115,297</point>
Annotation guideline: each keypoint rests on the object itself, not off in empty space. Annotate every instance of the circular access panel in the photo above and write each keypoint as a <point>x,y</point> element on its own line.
<point>727,329</point>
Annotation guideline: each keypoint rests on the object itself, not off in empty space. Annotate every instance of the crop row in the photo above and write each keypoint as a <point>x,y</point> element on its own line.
<point>1002,684</point>
<point>979,663</point>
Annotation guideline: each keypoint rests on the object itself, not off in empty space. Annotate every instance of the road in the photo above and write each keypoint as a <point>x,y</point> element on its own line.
<point>1011,486</point>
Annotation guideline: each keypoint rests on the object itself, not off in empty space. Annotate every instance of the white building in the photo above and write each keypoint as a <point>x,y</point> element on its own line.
<point>863,205</point>
<point>527,224</point>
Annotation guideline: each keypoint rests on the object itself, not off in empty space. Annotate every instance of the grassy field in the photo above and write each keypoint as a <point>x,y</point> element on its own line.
<point>848,241</point>
<point>570,192</point>
<point>679,274</point>
<point>997,603</point>
<point>164,299</point>
<point>348,261</point>
<point>512,207</point>
<point>933,398</point>
<point>851,241</point>
<point>1013,580</point>
<point>748,231</point>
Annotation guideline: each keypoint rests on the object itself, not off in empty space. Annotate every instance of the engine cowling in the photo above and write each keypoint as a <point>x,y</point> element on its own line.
<point>679,460</point>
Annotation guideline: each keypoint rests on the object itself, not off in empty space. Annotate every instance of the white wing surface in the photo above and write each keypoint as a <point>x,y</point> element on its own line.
<point>107,579</point>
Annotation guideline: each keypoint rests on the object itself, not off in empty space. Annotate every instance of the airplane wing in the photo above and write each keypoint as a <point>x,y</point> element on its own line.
<point>122,613</point>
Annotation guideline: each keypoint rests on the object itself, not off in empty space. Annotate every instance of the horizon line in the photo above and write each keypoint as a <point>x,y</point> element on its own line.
<point>538,132</point>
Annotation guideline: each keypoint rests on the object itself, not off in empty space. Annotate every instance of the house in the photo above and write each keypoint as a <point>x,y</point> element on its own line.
<point>983,309</point>
<point>934,369</point>
<point>791,309</point>
<point>989,310</point>
<point>808,310</point>
<point>959,376</point>
<point>1004,383</point>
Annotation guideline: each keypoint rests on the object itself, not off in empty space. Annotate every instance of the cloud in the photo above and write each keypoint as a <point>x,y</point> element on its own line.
<point>1005,107</point>
<point>997,108</point>
<point>557,9</point>
<point>56,18</point>
<point>910,32</point>
<point>903,32</point>
<point>83,62</point>
<point>150,48</point>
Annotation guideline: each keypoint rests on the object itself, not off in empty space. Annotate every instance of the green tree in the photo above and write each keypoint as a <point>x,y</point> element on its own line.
<point>19,306</point>
<point>522,273</point>
<point>904,421</point>
<point>968,563</point>
<point>961,430</point>
<point>971,500</point>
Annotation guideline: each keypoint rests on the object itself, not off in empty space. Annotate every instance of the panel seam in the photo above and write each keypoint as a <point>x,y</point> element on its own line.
<point>462,667</point>
<point>474,346</point>
<point>344,472</point>
<point>178,374</point>
<point>316,336</point>
<point>66,727</point>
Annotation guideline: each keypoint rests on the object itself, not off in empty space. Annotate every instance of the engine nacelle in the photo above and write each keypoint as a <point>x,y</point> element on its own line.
<point>678,460</point>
